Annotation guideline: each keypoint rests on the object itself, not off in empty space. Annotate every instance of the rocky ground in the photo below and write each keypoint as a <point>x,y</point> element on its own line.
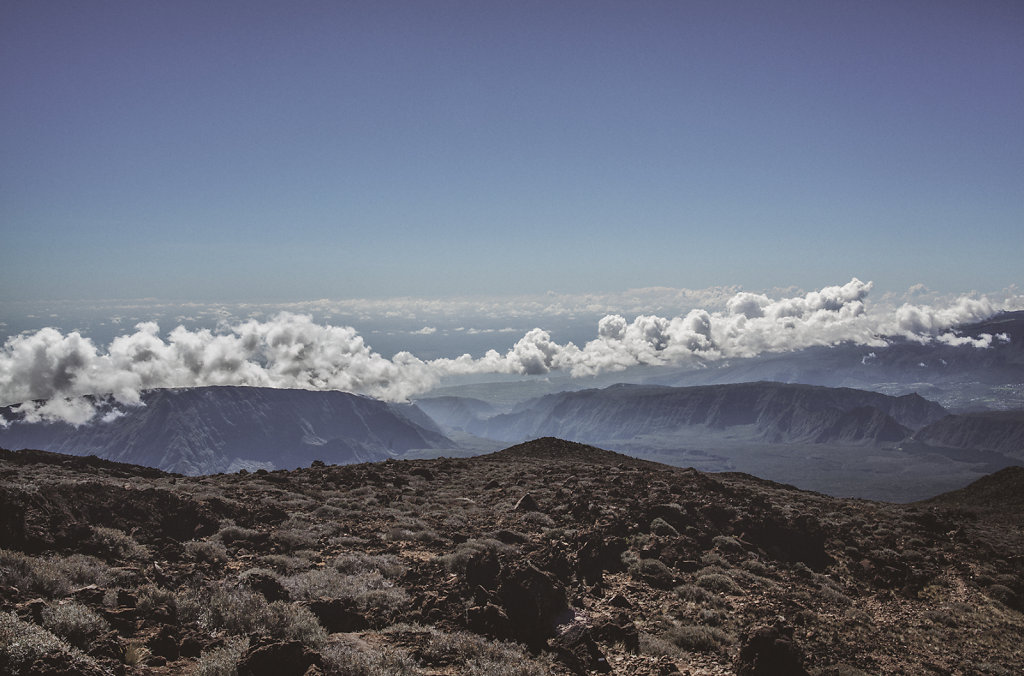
<point>548,557</point>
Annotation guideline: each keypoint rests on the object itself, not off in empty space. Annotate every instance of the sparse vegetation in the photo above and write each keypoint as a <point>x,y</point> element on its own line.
<point>646,568</point>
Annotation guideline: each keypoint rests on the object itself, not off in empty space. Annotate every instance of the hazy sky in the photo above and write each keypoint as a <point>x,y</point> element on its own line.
<point>297,150</point>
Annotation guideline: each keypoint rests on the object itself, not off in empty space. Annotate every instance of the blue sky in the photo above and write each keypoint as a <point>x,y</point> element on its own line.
<point>272,151</point>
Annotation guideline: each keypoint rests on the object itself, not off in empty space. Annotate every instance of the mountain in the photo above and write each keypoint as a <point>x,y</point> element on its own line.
<point>546,558</point>
<point>997,431</point>
<point>216,429</point>
<point>960,377</point>
<point>763,411</point>
<point>456,412</point>
<point>1002,491</point>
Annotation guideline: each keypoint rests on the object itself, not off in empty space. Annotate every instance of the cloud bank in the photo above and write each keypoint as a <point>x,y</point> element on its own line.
<point>293,351</point>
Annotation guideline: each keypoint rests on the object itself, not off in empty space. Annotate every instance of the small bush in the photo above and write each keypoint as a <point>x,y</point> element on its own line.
<point>22,643</point>
<point>231,534</point>
<point>698,638</point>
<point>210,552</point>
<point>755,567</point>
<point>728,544</point>
<point>652,571</point>
<point>698,595</point>
<point>661,527</point>
<point>223,661</point>
<point>354,563</point>
<point>115,544</point>
<point>345,658</point>
<point>294,623</point>
<point>74,622</point>
<point>718,582</point>
<point>457,560</point>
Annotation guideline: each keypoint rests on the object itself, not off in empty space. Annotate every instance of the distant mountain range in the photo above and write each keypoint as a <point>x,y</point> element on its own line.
<point>885,438</point>
<point>217,429</point>
<point>764,411</point>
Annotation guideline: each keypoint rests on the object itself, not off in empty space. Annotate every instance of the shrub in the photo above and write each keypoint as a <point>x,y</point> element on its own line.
<point>293,539</point>
<point>234,610</point>
<point>210,552</point>
<point>223,661</point>
<point>698,595</point>
<point>756,567</point>
<point>357,562</point>
<point>74,622</point>
<point>293,622</point>
<point>345,658</point>
<point>230,533</point>
<point>661,527</point>
<point>698,638</point>
<point>239,611</point>
<point>471,654</point>
<point>53,577</point>
<point>457,560</point>
<point>115,544</point>
<point>652,571</point>
<point>718,582</point>
<point>727,543</point>
<point>22,643</point>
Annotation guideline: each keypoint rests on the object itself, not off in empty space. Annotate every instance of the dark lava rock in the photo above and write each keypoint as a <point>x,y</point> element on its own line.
<point>598,555</point>
<point>527,503</point>
<point>278,659</point>
<point>770,651</point>
<point>165,643</point>
<point>482,570</point>
<point>619,629</point>
<point>489,620</point>
<point>267,585</point>
<point>577,650</point>
<point>534,601</point>
<point>338,615</point>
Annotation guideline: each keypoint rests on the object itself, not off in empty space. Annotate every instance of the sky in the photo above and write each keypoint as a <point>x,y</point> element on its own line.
<point>379,196</point>
<point>286,152</point>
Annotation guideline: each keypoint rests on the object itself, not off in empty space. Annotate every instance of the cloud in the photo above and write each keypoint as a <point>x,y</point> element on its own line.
<point>292,350</point>
<point>425,331</point>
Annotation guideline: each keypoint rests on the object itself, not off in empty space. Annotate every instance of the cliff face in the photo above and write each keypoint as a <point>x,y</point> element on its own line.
<point>1002,432</point>
<point>215,429</point>
<point>771,412</point>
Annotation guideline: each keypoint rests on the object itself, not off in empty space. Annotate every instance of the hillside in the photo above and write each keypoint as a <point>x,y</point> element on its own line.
<point>546,558</point>
<point>216,429</point>
<point>997,431</point>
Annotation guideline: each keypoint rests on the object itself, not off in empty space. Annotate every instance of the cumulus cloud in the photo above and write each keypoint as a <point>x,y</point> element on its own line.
<point>293,351</point>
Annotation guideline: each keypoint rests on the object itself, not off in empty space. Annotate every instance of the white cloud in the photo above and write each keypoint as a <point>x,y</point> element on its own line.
<point>293,351</point>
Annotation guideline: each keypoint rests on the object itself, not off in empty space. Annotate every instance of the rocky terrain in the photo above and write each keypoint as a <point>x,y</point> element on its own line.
<point>547,557</point>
